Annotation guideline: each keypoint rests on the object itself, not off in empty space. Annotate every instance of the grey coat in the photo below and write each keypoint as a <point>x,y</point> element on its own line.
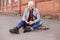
<point>36,15</point>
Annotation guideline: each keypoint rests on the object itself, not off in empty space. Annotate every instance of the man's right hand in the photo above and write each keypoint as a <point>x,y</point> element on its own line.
<point>27,22</point>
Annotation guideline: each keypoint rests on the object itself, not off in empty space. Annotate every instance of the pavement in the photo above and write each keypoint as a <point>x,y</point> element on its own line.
<point>8,22</point>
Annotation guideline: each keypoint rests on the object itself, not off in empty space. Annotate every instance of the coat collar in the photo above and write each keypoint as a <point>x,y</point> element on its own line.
<point>33,10</point>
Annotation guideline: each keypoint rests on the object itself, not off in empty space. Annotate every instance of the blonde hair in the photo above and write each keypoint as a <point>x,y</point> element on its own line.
<point>31,3</point>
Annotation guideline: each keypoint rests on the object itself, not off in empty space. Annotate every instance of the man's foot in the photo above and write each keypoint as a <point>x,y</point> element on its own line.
<point>27,29</point>
<point>15,30</point>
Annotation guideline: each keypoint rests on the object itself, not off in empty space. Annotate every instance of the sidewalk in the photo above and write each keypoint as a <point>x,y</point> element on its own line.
<point>8,22</point>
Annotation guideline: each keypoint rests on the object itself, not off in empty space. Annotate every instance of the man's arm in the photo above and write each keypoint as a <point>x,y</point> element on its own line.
<point>38,16</point>
<point>24,15</point>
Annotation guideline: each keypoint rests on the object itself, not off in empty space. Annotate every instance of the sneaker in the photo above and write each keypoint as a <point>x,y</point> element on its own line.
<point>15,30</point>
<point>27,29</point>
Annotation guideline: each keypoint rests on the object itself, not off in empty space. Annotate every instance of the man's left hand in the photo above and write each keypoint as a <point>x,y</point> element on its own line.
<point>31,22</point>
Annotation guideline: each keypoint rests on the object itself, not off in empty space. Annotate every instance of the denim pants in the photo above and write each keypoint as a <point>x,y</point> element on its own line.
<point>34,26</point>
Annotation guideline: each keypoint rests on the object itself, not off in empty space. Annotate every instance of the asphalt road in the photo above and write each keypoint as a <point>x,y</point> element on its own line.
<point>8,22</point>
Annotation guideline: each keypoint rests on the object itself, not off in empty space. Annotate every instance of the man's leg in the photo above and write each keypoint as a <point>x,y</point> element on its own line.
<point>20,24</point>
<point>39,24</point>
<point>36,25</point>
<point>16,29</point>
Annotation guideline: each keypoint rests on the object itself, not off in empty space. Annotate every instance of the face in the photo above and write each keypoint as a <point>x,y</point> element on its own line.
<point>30,7</point>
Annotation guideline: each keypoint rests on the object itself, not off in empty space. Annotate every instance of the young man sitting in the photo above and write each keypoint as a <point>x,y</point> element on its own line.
<point>31,17</point>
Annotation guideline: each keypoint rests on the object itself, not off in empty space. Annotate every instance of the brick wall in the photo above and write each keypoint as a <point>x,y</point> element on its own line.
<point>51,7</point>
<point>48,8</point>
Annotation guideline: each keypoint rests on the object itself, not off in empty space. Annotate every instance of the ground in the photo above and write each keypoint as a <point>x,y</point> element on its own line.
<point>8,22</point>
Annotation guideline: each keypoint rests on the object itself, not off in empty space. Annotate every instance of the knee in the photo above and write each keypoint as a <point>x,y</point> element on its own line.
<point>40,23</point>
<point>22,21</point>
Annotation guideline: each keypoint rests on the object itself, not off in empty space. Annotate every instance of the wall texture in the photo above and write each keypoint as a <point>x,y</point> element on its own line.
<point>46,7</point>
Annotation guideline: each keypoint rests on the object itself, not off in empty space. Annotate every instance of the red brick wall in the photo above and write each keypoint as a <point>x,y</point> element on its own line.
<point>46,8</point>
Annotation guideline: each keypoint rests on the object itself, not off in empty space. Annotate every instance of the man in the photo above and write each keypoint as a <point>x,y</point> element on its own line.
<point>31,18</point>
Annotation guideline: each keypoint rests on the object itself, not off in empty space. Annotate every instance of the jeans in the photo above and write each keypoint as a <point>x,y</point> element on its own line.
<point>34,26</point>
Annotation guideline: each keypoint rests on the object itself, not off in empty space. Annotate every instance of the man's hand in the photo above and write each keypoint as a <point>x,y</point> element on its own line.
<point>31,22</point>
<point>27,22</point>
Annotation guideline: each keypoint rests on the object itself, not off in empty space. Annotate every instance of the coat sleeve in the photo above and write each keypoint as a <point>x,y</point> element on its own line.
<point>24,15</point>
<point>38,16</point>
